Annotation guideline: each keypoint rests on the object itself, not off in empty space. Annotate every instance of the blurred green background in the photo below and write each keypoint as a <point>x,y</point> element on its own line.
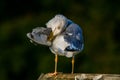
<point>22,60</point>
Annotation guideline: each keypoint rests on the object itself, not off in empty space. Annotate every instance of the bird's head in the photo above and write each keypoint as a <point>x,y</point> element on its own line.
<point>57,24</point>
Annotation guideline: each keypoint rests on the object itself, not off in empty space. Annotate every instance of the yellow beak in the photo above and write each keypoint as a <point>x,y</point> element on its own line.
<point>50,37</point>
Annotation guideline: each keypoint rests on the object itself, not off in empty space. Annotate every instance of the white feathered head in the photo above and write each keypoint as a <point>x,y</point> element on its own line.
<point>57,24</point>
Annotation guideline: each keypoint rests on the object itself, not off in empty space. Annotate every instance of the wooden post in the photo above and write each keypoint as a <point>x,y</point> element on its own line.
<point>79,76</point>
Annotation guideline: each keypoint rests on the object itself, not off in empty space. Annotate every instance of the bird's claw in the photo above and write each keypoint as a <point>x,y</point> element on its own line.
<point>53,74</point>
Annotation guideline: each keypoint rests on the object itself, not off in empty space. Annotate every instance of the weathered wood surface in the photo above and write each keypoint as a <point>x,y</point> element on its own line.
<point>79,76</point>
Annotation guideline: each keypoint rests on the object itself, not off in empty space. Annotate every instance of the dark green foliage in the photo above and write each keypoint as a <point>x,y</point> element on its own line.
<point>22,60</point>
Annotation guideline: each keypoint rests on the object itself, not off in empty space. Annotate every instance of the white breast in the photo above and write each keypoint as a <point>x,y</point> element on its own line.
<point>59,45</point>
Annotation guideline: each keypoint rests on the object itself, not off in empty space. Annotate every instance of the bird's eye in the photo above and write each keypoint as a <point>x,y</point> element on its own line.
<point>58,27</point>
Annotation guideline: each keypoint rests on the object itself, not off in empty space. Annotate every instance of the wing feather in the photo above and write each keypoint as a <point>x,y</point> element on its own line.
<point>73,36</point>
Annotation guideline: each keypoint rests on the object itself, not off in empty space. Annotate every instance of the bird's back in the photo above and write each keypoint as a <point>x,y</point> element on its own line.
<point>73,36</point>
<point>68,43</point>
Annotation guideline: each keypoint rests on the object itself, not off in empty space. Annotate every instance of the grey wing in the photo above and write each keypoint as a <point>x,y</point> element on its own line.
<point>39,35</point>
<point>73,36</point>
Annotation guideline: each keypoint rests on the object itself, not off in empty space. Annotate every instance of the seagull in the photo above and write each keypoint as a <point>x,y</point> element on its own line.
<point>65,38</point>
